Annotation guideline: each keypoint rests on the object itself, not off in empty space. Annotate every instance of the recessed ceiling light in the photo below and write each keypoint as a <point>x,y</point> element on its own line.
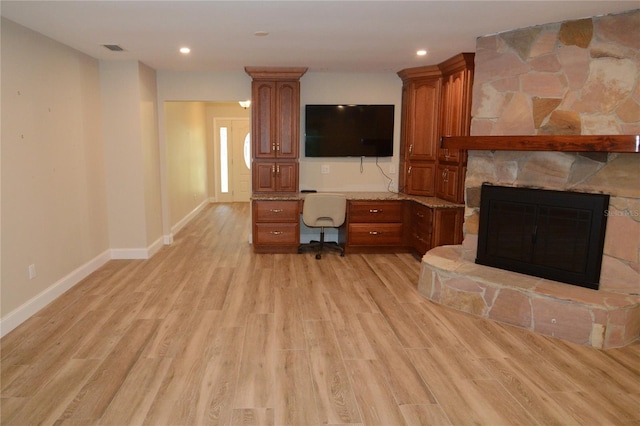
<point>261,33</point>
<point>185,50</point>
<point>421,52</point>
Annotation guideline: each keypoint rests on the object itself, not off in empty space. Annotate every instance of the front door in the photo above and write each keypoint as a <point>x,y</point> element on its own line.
<point>233,162</point>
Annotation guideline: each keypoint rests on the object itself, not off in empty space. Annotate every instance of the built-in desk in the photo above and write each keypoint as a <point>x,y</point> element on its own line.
<point>376,222</point>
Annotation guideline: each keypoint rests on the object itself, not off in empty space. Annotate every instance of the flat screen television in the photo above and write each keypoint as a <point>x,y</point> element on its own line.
<point>349,130</point>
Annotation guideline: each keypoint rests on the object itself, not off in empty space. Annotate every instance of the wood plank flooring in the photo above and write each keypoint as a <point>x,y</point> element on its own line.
<point>207,332</point>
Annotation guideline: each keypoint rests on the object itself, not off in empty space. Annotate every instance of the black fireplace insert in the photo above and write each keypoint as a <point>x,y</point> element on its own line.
<point>556,235</point>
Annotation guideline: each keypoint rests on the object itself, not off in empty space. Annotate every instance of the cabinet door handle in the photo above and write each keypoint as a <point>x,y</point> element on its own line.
<point>278,169</point>
<point>445,175</point>
<point>375,210</point>
<point>276,232</point>
<point>276,210</point>
<point>420,215</point>
<point>411,149</point>
<point>277,147</point>
<point>409,171</point>
<point>273,169</point>
<point>446,152</point>
<point>375,232</point>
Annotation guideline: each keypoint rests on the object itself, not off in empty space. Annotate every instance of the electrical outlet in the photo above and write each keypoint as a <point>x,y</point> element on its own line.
<point>392,169</point>
<point>325,169</point>
<point>32,271</point>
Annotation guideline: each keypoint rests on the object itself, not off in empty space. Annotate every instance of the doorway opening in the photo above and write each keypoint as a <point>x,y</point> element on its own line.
<point>232,141</point>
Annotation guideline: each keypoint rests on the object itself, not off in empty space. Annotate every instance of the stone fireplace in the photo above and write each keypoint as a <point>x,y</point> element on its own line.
<point>571,78</point>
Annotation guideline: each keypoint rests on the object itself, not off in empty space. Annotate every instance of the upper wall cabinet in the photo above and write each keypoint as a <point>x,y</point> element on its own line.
<point>420,111</point>
<point>455,108</point>
<point>275,107</point>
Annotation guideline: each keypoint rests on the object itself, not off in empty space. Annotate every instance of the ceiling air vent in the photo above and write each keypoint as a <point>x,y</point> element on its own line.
<point>113,47</point>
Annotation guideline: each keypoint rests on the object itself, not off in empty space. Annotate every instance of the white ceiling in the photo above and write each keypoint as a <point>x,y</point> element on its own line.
<point>334,36</point>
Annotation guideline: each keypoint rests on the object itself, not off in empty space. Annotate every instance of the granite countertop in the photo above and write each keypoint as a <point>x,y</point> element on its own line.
<point>382,196</point>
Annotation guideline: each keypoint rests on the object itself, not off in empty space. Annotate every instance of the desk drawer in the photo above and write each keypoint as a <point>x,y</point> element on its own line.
<point>375,234</point>
<point>375,211</point>
<point>276,234</point>
<point>275,211</point>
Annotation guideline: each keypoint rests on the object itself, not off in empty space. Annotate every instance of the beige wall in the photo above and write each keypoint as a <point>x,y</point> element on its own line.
<point>124,155</point>
<point>345,173</point>
<point>132,156</point>
<point>315,88</point>
<point>186,142</point>
<point>151,153</point>
<point>54,210</point>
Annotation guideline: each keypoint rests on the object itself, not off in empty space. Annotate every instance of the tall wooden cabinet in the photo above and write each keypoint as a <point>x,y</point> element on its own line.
<point>455,120</point>
<point>436,101</point>
<point>419,132</point>
<point>275,128</point>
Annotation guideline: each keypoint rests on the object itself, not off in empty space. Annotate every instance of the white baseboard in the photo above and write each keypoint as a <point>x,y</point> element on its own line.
<point>183,222</point>
<point>140,253</point>
<point>36,303</point>
<point>32,306</point>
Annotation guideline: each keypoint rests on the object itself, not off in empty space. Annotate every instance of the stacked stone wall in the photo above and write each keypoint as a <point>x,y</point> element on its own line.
<point>569,78</point>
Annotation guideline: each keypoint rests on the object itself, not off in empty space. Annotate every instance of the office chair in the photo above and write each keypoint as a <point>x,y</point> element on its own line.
<point>321,210</point>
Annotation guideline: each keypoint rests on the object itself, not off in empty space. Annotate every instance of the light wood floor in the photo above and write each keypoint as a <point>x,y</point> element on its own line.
<point>207,332</point>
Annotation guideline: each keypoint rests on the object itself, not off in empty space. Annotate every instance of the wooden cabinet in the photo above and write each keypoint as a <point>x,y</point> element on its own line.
<point>421,228</point>
<point>272,176</point>
<point>447,226</point>
<point>434,226</point>
<point>455,120</point>
<point>275,125</point>
<point>419,132</point>
<point>371,226</point>
<point>420,178</point>
<point>276,226</point>
<point>375,224</point>
<point>422,119</point>
<point>448,182</point>
<point>436,101</point>
<point>275,128</point>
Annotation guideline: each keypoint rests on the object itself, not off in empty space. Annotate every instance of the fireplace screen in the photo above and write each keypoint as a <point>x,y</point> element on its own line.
<point>549,234</point>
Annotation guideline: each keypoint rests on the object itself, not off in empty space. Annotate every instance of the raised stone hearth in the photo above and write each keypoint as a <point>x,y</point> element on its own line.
<point>596,318</point>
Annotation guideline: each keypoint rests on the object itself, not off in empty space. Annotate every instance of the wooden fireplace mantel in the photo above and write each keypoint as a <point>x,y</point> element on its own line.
<point>581,143</point>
